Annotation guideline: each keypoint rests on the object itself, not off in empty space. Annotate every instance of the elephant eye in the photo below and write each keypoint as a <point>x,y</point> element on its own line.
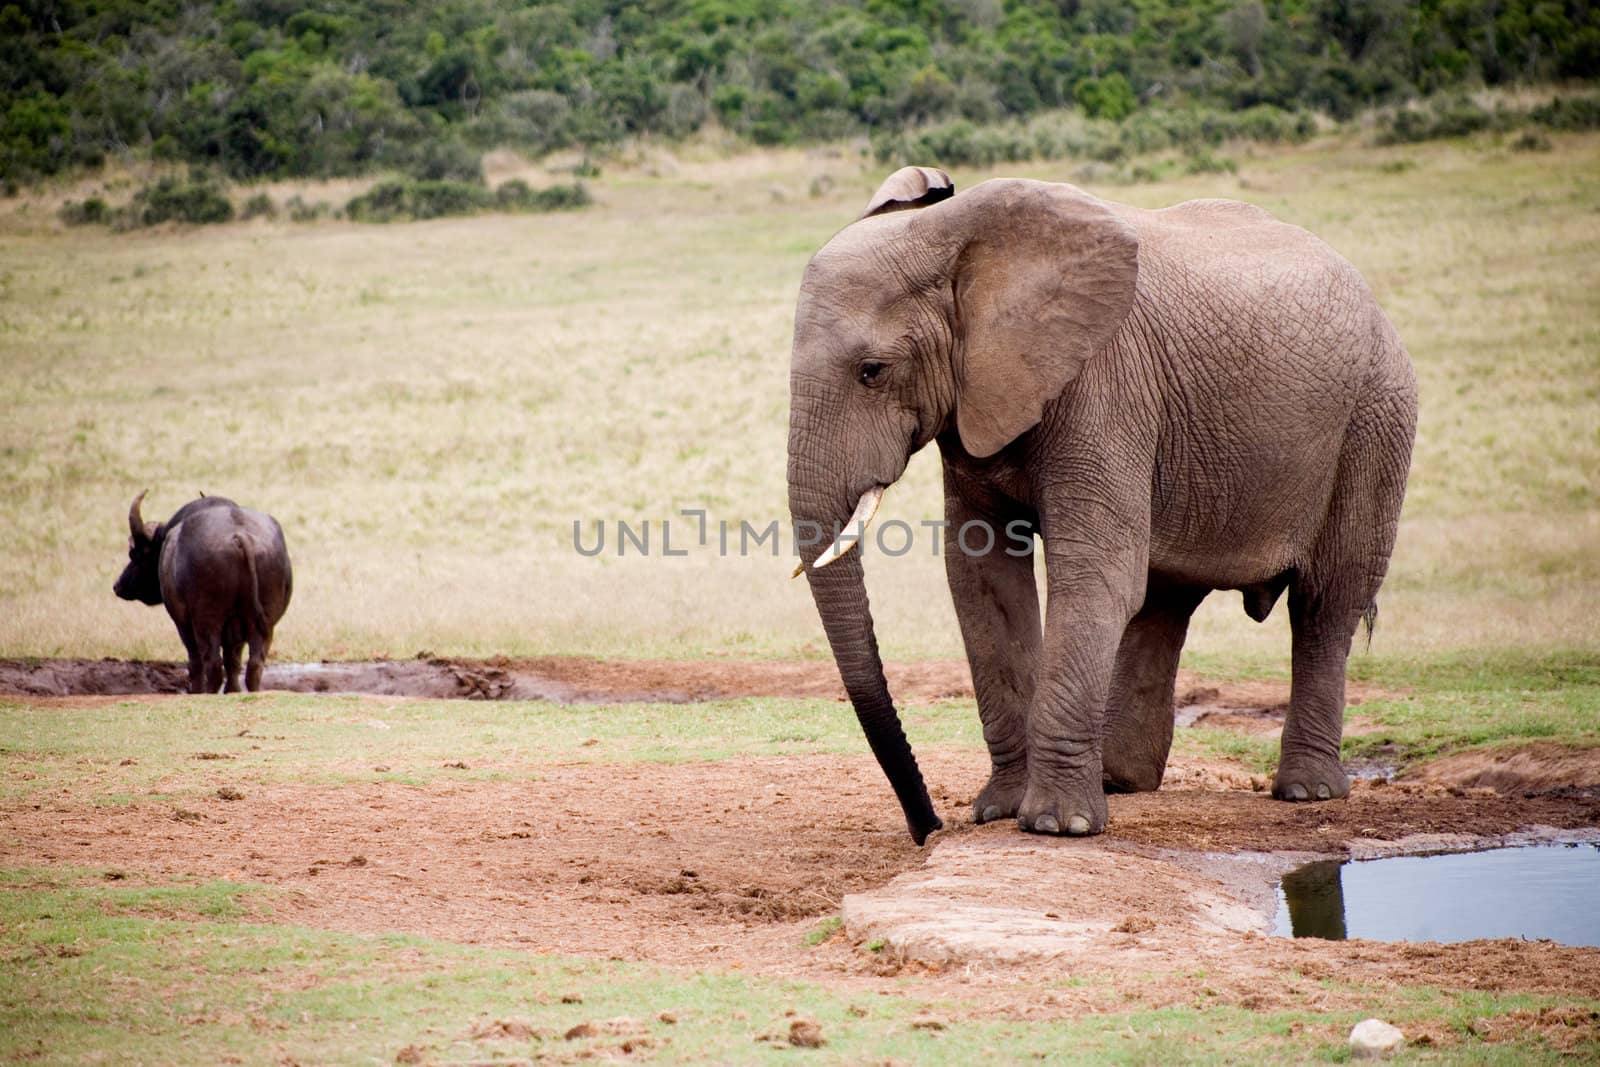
<point>871,373</point>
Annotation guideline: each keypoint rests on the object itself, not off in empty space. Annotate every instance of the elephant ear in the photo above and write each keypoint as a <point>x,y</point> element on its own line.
<point>910,187</point>
<point>1044,274</point>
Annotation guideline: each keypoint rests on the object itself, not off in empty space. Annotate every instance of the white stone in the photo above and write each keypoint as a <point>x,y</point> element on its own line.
<point>1372,1039</point>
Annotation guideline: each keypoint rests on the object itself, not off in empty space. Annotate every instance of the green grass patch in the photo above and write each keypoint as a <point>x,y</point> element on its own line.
<point>190,746</point>
<point>1464,701</point>
<point>92,970</point>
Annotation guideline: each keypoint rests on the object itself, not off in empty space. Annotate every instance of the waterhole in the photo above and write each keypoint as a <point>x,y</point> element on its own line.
<point>1534,891</point>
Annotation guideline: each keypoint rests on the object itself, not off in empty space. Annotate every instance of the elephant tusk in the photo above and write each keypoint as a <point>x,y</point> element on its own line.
<point>866,508</point>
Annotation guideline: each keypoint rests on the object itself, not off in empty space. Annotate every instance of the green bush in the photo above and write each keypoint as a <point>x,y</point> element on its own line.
<point>259,206</point>
<point>383,202</point>
<point>91,211</point>
<point>268,88</point>
<point>437,199</point>
<point>1205,163</point>
<point>1110,97</point>
<point>196,199</point>
<point>1450,117</point>
<point>1062,135</point>
<point>1570,113</point>
<point>400,198</point>
<point>516,195</point>
<point>302,210</point>
<point>438,160</point>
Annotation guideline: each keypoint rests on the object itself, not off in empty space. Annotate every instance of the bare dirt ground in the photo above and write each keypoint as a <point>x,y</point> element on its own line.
<point>729,864</point>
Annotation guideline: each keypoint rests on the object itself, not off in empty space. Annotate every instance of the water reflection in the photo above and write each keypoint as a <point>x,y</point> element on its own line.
<point>1316,900</point>
<point>1534,892</point>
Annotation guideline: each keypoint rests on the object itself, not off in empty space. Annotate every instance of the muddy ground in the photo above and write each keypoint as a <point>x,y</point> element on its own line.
<point>729,864</point>
<point>565,679</point>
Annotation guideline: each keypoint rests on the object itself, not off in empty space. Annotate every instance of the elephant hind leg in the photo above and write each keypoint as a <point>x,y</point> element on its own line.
<point>1138,723</point>
<point>1333,593</point>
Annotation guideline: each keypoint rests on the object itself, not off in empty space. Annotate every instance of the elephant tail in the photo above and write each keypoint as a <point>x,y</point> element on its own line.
<point>1370,617</point>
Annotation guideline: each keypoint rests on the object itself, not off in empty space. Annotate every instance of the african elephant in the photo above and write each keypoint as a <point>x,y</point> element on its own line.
<point>1172,402</point>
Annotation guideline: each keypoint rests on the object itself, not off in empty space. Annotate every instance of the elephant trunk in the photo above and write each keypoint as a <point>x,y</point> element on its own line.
<point>840,593</point>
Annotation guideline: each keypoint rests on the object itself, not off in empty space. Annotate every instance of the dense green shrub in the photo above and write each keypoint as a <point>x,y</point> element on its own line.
<point>259,206</point>
<point>303,210</point>
<point>445,160</point>
<point>265,88</point>
<point>91,211</point>
<point>1570,113</point>
<point>436,199</point>
<point>1066,136</point>
<point>1451,117</point>
<point>384,202</point>
<point>516,195</point>
<point>401,198</point>
<point>196,199</point>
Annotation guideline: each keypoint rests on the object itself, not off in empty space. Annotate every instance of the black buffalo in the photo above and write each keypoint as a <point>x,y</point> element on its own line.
<point>223,573</point>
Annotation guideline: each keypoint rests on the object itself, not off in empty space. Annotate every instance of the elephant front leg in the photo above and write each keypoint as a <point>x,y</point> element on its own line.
<point>1094,589</point>
<point>997,605</point>
<point>1138,729</point>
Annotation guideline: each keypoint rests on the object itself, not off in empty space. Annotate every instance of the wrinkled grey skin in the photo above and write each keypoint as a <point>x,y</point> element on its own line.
<point>1172,401</point>
<point>223,573</point>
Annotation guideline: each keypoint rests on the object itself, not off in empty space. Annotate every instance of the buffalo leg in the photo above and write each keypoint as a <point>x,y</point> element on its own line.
<point>231,654</point>
<point>258,661</point>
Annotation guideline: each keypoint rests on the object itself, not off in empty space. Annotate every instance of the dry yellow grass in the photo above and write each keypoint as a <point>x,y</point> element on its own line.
<point>428,407</point>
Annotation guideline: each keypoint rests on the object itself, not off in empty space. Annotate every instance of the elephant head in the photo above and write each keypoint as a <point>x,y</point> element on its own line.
<point>933,312</point>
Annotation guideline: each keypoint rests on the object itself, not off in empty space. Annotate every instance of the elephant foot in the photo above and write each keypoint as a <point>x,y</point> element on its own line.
<point>1132,775</point>
<point>1075,811</point>
<point>1310,780</point>
<point>1002,797</point>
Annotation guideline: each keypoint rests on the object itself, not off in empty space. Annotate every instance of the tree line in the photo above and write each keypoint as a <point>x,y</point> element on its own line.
<point>278,88</point>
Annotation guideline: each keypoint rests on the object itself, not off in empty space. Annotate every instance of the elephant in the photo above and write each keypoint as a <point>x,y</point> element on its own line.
<point>1170,402</point>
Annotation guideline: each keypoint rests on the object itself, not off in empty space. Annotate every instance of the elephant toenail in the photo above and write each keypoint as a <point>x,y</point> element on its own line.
<point>1296,792</point>
<point>990,813</point>
<point>1323,792</point>
<point>1077,826</point>
<point>1046,824</point>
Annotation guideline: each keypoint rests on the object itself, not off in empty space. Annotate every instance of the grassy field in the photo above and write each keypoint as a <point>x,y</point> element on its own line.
<point>196,985</point>
<point>429,407</point>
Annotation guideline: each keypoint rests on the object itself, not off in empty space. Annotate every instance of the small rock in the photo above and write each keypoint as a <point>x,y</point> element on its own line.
<point>581,1030</point>
<point>668,1018</point>
<point>1372,1039</point>
<point>805,1033</point>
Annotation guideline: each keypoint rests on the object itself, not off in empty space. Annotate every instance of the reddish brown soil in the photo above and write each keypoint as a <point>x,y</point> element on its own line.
<point>728,864</point>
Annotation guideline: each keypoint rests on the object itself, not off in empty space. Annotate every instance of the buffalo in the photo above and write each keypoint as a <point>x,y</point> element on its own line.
<point>223,573</point>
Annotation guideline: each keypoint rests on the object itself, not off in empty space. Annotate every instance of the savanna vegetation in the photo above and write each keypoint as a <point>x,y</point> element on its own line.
<point>437,411</point>
<point>263,89</point>
<point>429,409</point>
